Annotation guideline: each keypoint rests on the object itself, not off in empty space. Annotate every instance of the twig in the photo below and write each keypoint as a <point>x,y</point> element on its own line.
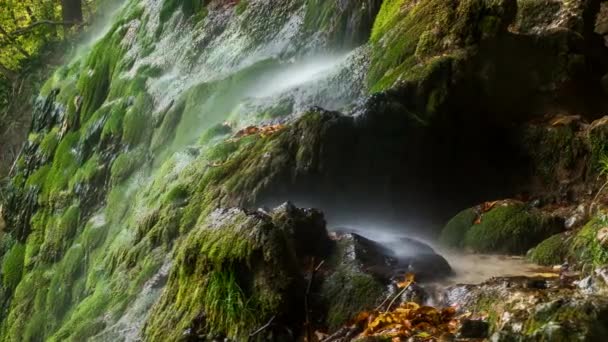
<point>308,287</point>
<point>382,304</point>
<point>343,334</point>
<point>10,172</point>
<point>263,327</point>
<point>27,29</point>
<point>397,296</point>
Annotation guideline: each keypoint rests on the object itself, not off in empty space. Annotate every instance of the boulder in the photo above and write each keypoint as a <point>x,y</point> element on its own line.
<point>236,271</point>
<point>509,227</point>
<point>361,273</point>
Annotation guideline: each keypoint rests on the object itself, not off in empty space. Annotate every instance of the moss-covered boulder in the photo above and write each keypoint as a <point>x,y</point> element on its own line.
<point>552,251</point>
<point>509,227</point>
<point>234,272</point>
<point>455,230</point>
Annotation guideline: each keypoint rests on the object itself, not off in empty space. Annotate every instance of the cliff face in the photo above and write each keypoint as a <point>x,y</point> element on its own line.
<point>356,106</point>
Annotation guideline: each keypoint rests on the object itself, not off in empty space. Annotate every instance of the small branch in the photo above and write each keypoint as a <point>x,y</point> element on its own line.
<point>264,327</point>
<point>12,40</point>
<point>397,296</point>
<point>27,29</point>
<point>10,172</point>
<point>306,306</point>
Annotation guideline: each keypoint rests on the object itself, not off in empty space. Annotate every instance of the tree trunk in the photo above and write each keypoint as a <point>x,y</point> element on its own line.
<point>71,11</point>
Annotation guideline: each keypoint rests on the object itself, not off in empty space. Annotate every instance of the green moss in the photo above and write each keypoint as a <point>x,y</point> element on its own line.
<point>455,230</point>
<point>585,248</point>
<point>598,144</point>
<point>65,164</point>
<point>135,122</point>
<point>511,228</point>
<point>407,33</point>
<point>567,320</point>
<point>87,172</point>
<point>60,234</point>
<point>177,194</point>
<point>49,144</point>
<point>552,251</point>
<point>241,271</point>
<point>241,6</point>
<point>12,266</point>
<point>216,131</point>
<point>38,178</point>
<point>126,163</point>
<point>65,276</point>
<point>94,84</point>
<point>113,125</point>
<point>552,150</point>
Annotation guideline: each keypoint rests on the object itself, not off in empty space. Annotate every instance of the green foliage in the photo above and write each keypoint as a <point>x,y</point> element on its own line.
<point>232,312</point>
<point>12,266</point>
<point>552,251</point>
<point>16,15</point>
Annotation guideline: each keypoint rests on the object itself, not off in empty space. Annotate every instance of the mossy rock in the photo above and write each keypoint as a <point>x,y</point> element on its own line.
<point>455,230</point>
<point>234,272</point>
<point>509,227</point>
<point>585,247</point>
<point>552,251</point>
<point>353,286</point>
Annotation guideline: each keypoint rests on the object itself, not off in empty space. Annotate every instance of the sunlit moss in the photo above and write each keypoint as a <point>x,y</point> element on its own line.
<point>126,163</point>
<point>12,266</point>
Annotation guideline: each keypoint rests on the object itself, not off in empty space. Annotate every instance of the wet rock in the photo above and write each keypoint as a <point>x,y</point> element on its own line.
<point>359,272</point>
<point>474,329</point>
<point>305,227</point>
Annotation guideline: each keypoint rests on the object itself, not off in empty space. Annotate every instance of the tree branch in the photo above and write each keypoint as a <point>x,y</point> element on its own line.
<point>27,29</point>
<point>15,43</point>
